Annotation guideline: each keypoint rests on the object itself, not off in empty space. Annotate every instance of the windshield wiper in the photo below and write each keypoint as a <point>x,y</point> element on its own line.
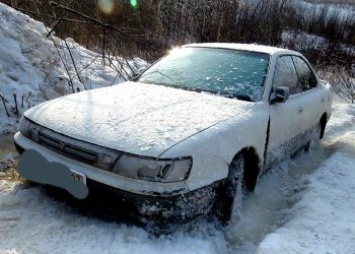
<point>242,97</point>
<point>153,72</point>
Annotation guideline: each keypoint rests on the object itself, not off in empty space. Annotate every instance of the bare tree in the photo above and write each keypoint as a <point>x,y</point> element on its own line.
<point>343,80</point>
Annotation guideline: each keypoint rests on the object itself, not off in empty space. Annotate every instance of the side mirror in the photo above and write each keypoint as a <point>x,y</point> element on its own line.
<point>281,95</point>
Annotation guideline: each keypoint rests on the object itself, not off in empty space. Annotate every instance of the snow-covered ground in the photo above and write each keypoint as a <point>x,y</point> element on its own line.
<point>323,220</point>
<point>305,205</point>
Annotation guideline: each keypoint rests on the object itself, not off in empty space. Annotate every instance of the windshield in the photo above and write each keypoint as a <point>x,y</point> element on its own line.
<point>230,73</point>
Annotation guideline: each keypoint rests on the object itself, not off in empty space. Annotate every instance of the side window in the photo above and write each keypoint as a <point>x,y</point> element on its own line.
<point>305,74</point>
<point>285,74</point>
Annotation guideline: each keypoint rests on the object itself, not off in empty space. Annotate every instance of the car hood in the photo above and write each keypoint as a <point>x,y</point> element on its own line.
<point>134,117</point>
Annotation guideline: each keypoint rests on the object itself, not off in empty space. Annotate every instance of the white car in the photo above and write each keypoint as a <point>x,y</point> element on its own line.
<point>180,141</point>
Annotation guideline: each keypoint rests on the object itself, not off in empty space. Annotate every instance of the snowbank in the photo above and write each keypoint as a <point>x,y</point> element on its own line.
<point>27,61</point>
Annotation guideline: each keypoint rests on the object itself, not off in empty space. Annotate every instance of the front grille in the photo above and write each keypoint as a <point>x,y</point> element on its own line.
<point>67,149</point>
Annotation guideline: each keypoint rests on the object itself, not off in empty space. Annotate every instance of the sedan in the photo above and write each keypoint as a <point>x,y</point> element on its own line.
<point>188,137</point>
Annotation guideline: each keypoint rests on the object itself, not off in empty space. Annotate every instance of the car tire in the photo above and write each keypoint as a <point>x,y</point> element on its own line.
<point>230,193</point>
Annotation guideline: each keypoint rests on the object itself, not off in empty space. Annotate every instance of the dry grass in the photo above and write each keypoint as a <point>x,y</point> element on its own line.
<point>8,170</point>
<point>8,173</point>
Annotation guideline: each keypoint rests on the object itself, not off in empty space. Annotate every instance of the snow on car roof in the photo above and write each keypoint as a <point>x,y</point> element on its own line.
<point>247,47</point>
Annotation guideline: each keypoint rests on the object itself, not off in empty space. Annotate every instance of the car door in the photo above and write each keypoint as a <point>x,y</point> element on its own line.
<point>285,117</point>
<point>311,98</point>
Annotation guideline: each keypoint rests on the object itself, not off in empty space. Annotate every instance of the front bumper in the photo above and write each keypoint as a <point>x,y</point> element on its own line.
<point>141,201</point>
<point>153,209</point>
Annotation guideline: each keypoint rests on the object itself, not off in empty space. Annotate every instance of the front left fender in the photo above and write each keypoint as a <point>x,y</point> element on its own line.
<point>214,149</point>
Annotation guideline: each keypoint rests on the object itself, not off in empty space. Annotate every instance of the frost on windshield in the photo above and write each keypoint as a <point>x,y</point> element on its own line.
<point>231,73</point>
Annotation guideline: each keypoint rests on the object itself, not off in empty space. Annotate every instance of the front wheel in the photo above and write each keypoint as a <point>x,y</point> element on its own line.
<point>230,193</point>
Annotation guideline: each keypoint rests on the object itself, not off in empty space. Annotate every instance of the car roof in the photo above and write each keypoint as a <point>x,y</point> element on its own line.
<point>246,47</point>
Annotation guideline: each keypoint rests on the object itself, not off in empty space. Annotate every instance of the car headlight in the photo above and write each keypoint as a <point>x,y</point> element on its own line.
<point>154,170</point>
<point>24,126</point>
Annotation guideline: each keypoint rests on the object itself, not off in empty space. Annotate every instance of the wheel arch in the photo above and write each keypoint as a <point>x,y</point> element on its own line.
<point>251,168</point>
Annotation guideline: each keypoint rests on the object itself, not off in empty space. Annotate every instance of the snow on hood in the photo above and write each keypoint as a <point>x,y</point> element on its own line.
<point>135,117</point>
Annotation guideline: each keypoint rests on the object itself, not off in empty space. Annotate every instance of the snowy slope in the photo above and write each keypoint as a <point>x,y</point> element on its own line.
<point>27,61</point>
<point>35,68</point>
